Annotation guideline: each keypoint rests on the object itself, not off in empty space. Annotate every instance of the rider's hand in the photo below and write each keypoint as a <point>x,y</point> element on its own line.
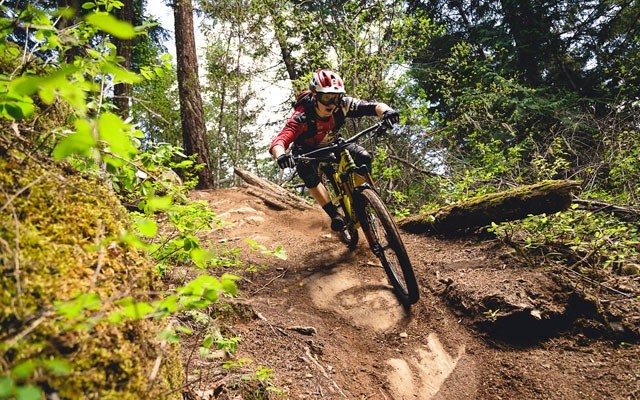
<point>285,161</point>
<point>390,118</point>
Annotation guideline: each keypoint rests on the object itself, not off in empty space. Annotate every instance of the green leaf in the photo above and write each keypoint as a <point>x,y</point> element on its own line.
<point>159,203</point>
<point>73,308</point>
<point>138,310</point>
<point>183,329</point>
<point>56,83</point>
<point>133,240</point>
<point>89,5</point>
<point>147,227</point>
<point>125,301</point>
<point>280,253</point>
<point>207,342</point>
<point>169,304</point>
<point>114,131</point>
<point>79,142</point>
<point>28,393</point>
<point>251,242</point>
<point>24,369</point>
<point>58,367</point>
<point>113,161</point>
<point>201,256</point>
<point>169,335</point>
<point>111,25</point>
<point>121,74</point>
<point>16,107</point>
<point>230,287</point>
<point>6,386</point>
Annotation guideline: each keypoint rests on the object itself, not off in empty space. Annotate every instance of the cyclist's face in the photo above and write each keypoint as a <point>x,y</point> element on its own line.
<point>327,102</point>
<point>328,99</point>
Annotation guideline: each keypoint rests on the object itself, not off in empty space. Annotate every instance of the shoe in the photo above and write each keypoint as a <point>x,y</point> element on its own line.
<point>337,223</point>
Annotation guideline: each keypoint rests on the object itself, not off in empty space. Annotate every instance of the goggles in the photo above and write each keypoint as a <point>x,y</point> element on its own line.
<point>329,99</point>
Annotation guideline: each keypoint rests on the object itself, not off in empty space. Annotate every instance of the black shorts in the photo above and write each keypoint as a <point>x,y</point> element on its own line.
<point>308,171</point>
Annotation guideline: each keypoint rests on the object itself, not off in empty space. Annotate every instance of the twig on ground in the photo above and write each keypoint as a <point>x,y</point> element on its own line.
<point>199,335</point>
<point>99,235</point>
<point>16,259</point>
<point>19,192</point>
<point>156,365</point>
<point>30,329</point>
<point>323,371</point>
<point>305,330</point>
<point>586,278</point>
<point>186,385</point>
<point>262,318</point>
<point>270,281</point>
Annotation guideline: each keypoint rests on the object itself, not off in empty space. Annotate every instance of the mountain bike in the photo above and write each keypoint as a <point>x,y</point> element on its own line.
<point>354,193</point>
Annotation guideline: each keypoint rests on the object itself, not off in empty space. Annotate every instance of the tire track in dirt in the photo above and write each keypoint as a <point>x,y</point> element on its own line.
<point>368,302</point>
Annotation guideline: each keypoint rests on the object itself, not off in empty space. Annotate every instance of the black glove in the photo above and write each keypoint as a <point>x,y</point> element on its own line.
<point>285,161</point>
<point>390,118</point>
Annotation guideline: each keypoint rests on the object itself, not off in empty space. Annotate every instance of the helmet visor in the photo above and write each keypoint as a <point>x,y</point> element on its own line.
<point>329,98</point>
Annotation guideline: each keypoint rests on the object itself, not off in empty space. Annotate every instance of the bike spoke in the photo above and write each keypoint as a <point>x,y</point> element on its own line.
<point>387,245</point>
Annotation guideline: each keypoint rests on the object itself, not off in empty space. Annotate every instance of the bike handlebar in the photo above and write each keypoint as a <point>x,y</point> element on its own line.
<point>326,153</point>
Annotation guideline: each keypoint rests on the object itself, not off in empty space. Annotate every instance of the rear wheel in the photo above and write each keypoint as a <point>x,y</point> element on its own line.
<point>349,235</point>
<point>385,241</point>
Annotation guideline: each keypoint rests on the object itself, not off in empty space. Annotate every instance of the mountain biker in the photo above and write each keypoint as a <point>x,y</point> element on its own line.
<point>317,116</point>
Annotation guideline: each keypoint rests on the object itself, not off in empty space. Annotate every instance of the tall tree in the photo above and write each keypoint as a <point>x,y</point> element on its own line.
<point>122,91</point>
<point>233,99</point>
<point>194,132</point>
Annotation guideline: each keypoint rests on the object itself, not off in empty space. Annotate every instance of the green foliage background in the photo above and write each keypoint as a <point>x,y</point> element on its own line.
<point>491,96</point>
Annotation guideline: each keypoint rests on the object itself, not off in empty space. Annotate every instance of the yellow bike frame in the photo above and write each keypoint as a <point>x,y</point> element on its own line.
<point>347,179</point>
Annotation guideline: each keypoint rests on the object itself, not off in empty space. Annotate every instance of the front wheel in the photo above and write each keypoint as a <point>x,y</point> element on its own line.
<point>385,242</point>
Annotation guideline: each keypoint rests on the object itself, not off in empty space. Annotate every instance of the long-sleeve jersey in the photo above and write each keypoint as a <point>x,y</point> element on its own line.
<point>326,131</point>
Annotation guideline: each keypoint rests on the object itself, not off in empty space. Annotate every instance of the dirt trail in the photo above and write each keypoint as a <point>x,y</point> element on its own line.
<point>327,324</point>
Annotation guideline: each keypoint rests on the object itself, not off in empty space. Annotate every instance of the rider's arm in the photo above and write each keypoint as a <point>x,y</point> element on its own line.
<point>381,108</point>
<point>355,108</point>
<point>277,151</point>
<point>293,128</point>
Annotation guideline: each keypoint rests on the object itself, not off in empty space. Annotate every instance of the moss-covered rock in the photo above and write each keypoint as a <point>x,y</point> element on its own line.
<point>58,239</point>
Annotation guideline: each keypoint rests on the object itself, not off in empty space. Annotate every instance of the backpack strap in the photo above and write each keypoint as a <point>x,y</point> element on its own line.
<point>305,99</point>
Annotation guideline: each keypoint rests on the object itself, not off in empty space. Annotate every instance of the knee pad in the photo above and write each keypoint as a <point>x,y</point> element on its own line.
<point>308,174</point>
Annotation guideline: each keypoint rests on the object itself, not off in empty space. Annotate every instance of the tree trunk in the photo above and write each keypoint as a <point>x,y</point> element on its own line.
<point>122,91</point>
<point>281,37</point>
<point>194,131</point>
<point>517,203</point>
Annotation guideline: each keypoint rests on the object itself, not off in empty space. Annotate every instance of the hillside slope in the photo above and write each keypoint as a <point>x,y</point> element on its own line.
<point>326,323</point>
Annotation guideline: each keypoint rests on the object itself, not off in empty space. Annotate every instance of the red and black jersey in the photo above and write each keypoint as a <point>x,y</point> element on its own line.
<point>326,130</point>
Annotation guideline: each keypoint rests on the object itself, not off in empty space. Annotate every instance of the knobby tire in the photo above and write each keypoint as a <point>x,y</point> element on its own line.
<point>383,237</point>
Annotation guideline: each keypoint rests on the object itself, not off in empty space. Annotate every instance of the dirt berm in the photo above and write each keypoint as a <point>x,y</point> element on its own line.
<point>328,326</point>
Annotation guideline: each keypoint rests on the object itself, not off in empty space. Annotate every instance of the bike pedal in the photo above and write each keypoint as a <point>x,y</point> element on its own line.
<point>346,235</point>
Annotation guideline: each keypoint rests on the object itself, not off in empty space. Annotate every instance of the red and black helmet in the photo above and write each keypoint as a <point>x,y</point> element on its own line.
<point>326,81</point>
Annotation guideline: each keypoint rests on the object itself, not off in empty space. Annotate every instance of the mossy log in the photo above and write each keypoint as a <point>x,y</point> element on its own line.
<point>517,203</point>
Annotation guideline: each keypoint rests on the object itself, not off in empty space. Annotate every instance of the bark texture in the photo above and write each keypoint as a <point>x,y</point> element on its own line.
<point>194,132</point>
<point>122,91</point>
<point>273,195</point>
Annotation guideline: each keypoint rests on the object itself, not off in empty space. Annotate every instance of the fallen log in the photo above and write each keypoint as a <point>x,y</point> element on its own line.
<point>268,198</point>
<point>624,213</point>
<point>517,203</point>
<point>272,194</point>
